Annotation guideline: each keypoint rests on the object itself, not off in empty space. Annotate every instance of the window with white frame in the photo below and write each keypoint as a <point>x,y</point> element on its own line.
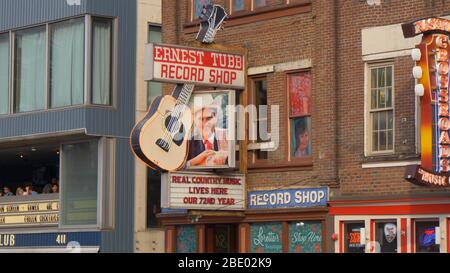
<point>60,64</point>
<point>380,108</point>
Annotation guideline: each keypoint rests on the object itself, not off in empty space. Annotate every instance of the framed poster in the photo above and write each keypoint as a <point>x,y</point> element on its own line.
<point>266,238</point>
<point>305,237</point>
<point>300,94</point>
<point>301,137</point>
<point>212,143</point>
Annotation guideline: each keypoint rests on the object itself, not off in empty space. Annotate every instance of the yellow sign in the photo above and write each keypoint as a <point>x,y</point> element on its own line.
<point>29,214</point>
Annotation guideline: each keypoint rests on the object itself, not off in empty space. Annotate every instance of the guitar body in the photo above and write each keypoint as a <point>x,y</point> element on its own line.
<point>148,141</point>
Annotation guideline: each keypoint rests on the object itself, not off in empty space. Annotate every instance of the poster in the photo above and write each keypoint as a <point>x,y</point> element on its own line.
<point>186,239</point>
<point>300,94</point>
<point>266,238</point>
<point>301,137</point>
<point>212,143</point>
<point>305,237</point>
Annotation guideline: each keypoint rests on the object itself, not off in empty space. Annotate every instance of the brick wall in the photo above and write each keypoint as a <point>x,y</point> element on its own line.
<point>329,35</point>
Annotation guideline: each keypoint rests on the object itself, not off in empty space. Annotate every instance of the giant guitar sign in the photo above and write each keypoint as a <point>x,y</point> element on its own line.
<point>160,139</point>
<point>432,74</point>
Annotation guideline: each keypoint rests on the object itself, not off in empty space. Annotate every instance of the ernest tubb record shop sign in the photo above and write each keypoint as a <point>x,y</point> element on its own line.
<point>432,74</point>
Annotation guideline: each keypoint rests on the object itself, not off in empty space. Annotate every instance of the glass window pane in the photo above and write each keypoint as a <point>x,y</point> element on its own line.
<point>426,236</point>
<point>389,76</point>
<point>353,238</point>
<point>383,120</point>
<point>67,63</point>
<point>390,140</point>
<point>375,117</point>
<point>198,6</point>
<point>266,238</point>
<point>373,78</point>
<point>305,237</point>
<point>374,98</point>
<point>301,137</point>
<point>386,235</point>
<point>79,173</point>
<point>4,74</point>
<point>375,146</point>
<point>389,97</point>
<point>30,72</point>
<point>382,98</point>
<point>381,77</point>
<point>260,3</point>
<point>383,141</point>
<point>154,34</point>
<point>390,117</point>
<point>238,5</point>
<point>101,62</point>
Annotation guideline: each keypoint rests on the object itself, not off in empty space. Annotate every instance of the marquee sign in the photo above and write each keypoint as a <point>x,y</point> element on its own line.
<point>203,191</point>
<point>432,74</point>
<point>35,213</point>
<point>179,64</point>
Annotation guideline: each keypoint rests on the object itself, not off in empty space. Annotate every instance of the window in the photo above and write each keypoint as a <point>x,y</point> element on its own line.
<point>259,3</point>
<point>154,89</point>
<point>240,5</point>
<point>29,169</point>
<point>198,7</point>
<point>101,61</point>
<point>299,86</point>
<point>381,110</point>
<point>259,99</point>
<point>79,177</point>
<point>67,63</point>
<point>305,237</point>
<point>87,184</point>
<point>40,81</point>
<point>266,238</point>
<point>4,74</point>
<point>386,235</point>
<point>353,241</point>
<point>425,233</point>
<point>30,70</point>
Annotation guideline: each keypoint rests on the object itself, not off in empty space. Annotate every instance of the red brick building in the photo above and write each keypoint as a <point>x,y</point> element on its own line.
<point>349,67</point>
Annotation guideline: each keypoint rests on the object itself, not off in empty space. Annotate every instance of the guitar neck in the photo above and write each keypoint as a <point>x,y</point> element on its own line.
<point>182,93</point>
<point>206,35</point>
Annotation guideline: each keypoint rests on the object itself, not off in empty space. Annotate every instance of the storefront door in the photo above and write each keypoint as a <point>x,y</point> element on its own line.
<point>221,238</point>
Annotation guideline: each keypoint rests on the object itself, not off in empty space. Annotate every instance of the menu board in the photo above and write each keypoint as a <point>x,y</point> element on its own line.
<point>305,237</point>
<point>186,239</point>
<point>266,238</point>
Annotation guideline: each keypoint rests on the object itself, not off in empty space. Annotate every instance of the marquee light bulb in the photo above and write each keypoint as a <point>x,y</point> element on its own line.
<point>419,90</point>
<point>416,54</point>
<point>417,72</point>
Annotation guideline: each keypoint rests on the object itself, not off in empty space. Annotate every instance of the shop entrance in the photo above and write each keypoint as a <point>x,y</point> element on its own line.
<point>222,238</point>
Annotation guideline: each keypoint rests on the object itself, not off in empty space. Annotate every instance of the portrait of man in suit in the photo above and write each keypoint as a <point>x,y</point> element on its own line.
<point>208,145</point>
